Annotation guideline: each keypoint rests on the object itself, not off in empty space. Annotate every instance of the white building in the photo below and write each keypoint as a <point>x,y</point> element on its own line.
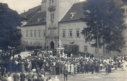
<point>45,26</point>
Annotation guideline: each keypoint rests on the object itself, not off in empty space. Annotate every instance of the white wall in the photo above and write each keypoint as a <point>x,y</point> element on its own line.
<point>80,41</point>
<point>40,41</point>
<point>33,41</point>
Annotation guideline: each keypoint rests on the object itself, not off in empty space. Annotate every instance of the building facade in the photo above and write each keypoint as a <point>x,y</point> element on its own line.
<point>45,29</point>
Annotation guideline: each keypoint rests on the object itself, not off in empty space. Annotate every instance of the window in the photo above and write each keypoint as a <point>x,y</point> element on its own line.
<point>52,17</point>
<point>64,35</point>
<point>51,1</point>
<point>31,43</point>
<point>31,33</point>
<point>44,33</point>
<point>107,51</point>
<point>85,49</point>
<point>70,32</point>
<point>34,33</point>
<point>39,33</point>
<point>96,50</point>
<point>72,14</point>
<point>26,42</point>
<point>77,34</point>
<point>85,32</point>
<point>27,33</point>
<point>39,19</point>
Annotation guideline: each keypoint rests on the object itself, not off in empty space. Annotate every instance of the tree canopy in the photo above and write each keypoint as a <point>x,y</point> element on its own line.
<point>9,33</point>
<point>105,22</point>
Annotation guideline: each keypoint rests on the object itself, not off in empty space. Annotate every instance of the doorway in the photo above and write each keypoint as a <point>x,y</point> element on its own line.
<point>52,45</point>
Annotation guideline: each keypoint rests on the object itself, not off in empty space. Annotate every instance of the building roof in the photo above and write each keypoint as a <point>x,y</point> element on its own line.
<point>75,13</point>
<point>31,12</point>
<point>36,17</point>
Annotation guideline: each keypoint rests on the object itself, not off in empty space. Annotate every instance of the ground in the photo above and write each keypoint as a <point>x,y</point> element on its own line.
<point>119,75</point>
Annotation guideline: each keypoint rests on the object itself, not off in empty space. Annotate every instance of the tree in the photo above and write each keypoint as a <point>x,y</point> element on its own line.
<point>9,33</point>
<point>105,24</point>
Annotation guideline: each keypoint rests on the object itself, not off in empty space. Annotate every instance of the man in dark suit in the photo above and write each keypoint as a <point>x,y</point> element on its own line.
<point>65,75</point>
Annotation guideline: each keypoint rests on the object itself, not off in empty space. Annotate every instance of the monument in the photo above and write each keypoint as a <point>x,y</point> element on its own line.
<point>60,49</point>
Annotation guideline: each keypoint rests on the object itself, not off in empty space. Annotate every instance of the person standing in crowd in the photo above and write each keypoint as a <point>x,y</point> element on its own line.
<point>86,67</point>
<point>56,79</point>
<point>35,52</point>
<point>108,68</point>
<point>49,79</point>
<point>22,68</point>
<point>4,79</point>
<point>22,77</point>
<point>92,66</point>
<point>30,76</point>
<point>65,75</point>
<point>3,71</point>
<point>16,77</point>
<point>10,78</point>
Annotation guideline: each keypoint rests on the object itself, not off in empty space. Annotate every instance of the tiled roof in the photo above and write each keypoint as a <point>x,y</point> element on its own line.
<point>75,13</point>
<point>31,12</point>
<point>35,17</point>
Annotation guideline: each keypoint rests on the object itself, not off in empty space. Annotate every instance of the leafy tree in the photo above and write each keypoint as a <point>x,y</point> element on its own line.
<point>9,33</point>
<point>105,24</point>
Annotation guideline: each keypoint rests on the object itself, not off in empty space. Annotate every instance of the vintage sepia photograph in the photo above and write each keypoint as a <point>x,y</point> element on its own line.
<point>63,40</point>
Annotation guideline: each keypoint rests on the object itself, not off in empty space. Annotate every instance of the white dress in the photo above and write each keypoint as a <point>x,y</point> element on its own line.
<point>124,65</point>
<point>56,79</point>
<point>9,79</point>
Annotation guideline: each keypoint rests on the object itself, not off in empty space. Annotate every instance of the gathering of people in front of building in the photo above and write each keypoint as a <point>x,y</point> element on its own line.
<point>42,65</point>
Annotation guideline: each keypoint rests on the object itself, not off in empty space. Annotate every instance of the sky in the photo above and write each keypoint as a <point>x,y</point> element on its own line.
<point>23,5</point>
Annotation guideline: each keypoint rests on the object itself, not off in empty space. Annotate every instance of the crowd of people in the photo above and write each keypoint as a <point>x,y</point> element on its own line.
<point>42,64</point>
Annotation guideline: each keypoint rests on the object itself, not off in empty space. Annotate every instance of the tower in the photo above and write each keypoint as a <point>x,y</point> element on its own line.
<point>52,29</point>
<point>43,5</point>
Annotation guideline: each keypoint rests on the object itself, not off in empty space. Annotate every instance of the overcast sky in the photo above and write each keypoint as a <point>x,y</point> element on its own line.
<point>23,5</point>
